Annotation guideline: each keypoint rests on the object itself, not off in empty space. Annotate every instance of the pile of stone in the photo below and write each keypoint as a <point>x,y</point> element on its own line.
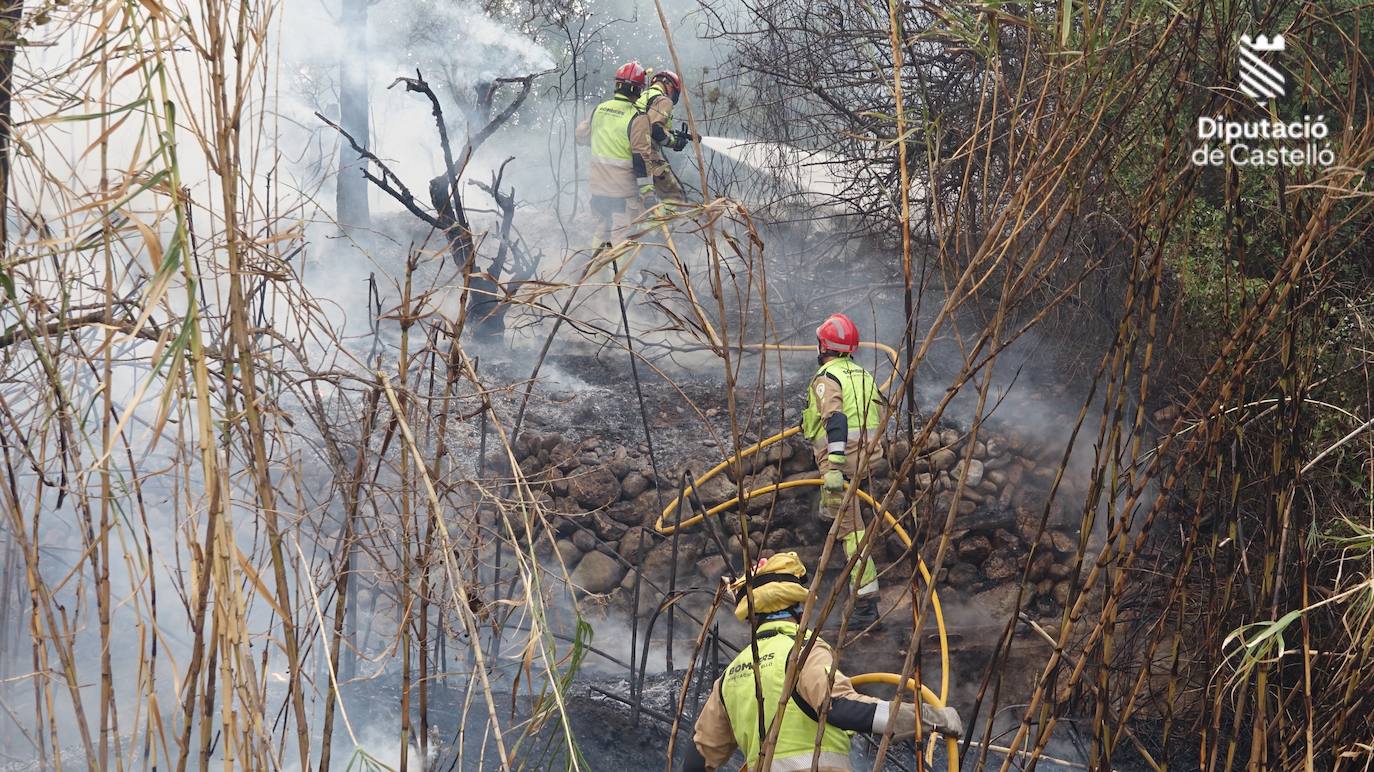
<point>603,501</point>
<point>1004,470</point>
<point>600,498</point>
<point>993,555</point>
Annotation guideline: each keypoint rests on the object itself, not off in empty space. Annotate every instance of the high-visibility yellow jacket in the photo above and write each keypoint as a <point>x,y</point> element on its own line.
<point>731,717</point>
<point>618,134</point>
<point>841,384</point>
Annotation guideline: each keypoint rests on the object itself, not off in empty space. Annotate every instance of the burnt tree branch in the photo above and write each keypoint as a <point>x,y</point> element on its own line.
<point>389,183</point>
<point>443,190</point>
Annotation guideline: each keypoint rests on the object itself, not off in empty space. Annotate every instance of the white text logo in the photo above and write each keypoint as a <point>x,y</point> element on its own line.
<point>1269,141</point>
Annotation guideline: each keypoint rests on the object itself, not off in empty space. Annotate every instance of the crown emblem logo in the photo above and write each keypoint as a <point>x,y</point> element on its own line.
<point>1260,80</point>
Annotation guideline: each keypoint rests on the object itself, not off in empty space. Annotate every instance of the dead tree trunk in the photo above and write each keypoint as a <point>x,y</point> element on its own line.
<point>11,11</point>
<point>350,193</point>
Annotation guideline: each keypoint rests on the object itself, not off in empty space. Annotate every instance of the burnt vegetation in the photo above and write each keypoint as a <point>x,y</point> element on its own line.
<point>247,515</point>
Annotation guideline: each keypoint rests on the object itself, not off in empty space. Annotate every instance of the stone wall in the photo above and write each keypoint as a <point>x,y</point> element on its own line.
<point>605,502</point>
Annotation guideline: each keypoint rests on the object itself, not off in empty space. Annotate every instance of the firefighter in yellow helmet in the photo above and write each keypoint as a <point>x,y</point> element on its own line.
<point>745,699</point>
<point>841,419</point>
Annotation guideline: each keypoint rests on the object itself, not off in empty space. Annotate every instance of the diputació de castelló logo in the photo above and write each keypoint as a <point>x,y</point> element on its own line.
<point>1267,141</point>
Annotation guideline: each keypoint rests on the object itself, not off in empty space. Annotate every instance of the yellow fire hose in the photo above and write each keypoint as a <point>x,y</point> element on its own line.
<point>929,697</point>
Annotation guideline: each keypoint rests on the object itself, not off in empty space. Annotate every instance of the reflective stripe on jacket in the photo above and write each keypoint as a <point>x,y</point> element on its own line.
<point>863,405</point>
<point>796,743</point>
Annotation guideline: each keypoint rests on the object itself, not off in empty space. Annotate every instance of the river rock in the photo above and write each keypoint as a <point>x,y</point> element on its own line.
<point>712,567</point>
<point>897,504</point>
<point>584,540</point>
<point>781,539</point>
<point>801,461</point>
<point>975,472</point>
<point>646,506</point>
<point>597,573</point>
<point>1004,538</point>
<point>975,549</point>
<point>943,459</point>
<point>962,575</point>
<point>619,462</point>
<point>608,528</point>
<point>594,489</point>
<point>624,512</point>
<point>633,485</point>
<point>715,491</point>
<point>565,525</point>
<point>1061,593</point>
<point>1006,497</point>
<point>1044,606</point>
<point>772,456</point>
<point>1040,566</point>
<point>999,567</point>
<point>949,438</point>
<point>525,445</point>
<point>879,467</point>
<point>659,560</point>
<point>801,490</point>
<point>564,456</point>
<point>998,603</point>
<point>567,552</point>
<point>632,541</point>
<point>1063,543</point>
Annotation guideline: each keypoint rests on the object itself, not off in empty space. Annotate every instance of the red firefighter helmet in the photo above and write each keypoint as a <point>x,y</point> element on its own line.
<point>671,78</point>
<point>631,73</point>
<point>839,334</point>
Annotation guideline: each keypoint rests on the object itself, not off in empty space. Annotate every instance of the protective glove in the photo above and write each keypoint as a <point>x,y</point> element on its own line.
<point>943,721</point>
<point>905,727</point>
<point>832,491</point>
<point>647,195</point>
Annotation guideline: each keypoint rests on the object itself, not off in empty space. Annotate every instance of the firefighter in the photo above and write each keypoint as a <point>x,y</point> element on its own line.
<point>657,102</point>
<point>731,717</point>
<point>619,135</point>
<point>841,419</point>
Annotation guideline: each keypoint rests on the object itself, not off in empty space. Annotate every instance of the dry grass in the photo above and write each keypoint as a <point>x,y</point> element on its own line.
<point>171,396</point>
